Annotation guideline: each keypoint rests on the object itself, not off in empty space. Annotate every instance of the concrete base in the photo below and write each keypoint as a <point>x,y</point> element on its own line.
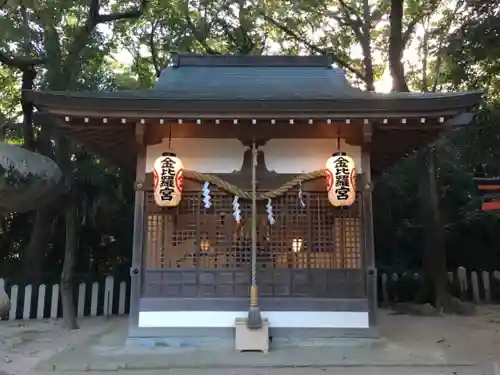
<point>224,338</point>
<point>251,339</point>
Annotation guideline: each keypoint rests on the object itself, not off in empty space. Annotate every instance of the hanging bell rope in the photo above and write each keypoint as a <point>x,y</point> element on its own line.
<point>245,194</point>
<point>254,320</point>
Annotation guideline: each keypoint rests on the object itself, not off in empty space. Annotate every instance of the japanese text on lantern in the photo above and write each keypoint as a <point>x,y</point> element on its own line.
<point>167,179</point>
<point>342,176</point>
<point>341,180</point>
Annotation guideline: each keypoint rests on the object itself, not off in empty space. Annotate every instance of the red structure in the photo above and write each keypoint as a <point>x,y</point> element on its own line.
<point>490,189</point>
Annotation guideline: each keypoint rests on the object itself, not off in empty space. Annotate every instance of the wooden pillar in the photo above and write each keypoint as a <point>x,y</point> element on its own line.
<point>138,240</point>
<point>369,247</point>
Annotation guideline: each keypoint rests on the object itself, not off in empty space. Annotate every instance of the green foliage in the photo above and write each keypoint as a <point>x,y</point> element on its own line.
<point>473,49</point>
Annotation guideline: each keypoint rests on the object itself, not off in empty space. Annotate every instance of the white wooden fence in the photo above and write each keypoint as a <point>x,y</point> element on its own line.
<point>111,298</point>
<point>92,299</point>
<point>479,286</point>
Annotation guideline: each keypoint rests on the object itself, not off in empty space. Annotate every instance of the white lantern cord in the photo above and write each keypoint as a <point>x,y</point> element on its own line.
<point>206,195</point>
<point>269,210</point>
<point>236,209</point>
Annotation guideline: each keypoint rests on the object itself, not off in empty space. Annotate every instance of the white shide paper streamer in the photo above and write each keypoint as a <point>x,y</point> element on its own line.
<point>301,198</point>
<point>206,195</point>
<point>269,208</point>
<point>236,209</point>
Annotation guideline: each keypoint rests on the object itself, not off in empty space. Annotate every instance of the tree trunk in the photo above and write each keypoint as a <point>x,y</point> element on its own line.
<point>29,75</point>
<point>67,275</point>
<point>35,251</point>
<point>396,47</point>
<point>34,254</point>
<point>366,46</point>
<point>434,288</point>
<point>70,217</point>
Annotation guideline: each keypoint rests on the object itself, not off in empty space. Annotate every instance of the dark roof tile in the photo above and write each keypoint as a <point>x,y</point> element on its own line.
<point>254,83</point>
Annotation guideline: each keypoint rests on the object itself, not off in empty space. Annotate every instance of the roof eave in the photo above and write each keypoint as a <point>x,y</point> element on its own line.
<point>363,106</point>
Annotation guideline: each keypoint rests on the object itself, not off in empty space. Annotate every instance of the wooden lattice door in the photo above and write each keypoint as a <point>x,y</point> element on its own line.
<point>309,251</point>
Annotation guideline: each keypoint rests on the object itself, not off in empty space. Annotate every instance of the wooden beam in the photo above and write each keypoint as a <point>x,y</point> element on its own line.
<point>386,146</point>
<point>140,131</point>
<point>367,132</point>
<point>262,130</point>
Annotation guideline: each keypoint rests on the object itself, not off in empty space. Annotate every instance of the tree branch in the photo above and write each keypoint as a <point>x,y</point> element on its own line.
<point>20,62</point>
<point>366,44</point>
<point>418,18</point>
<point>202,39</point>
<point>128,15</point>
<point>263,43</point>
<point>28,80</point>
<point>410,29</point>
<point>246,42</point>
<point>340,61</point>
<point>227,31</point>
<point>425,57</point>
<point>361,26</point>
<point>444,35</point>
<point>152,48</point>
<point>70,66</point>
<point>350,11</point>
<point>344,19</point>
<point>376,17</point>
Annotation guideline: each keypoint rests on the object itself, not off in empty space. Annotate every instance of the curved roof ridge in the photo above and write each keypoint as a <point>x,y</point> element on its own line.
<point>185,59</point>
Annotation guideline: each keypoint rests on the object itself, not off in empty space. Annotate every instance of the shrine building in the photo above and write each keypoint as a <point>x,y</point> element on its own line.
<point>189,142</point>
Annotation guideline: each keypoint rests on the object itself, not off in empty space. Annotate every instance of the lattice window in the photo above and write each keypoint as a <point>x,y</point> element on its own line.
<point>347,234</point>
<point>190,237</point>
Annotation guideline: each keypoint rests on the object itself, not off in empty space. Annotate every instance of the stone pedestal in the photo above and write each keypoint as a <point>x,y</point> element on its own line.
<point>251,339</point>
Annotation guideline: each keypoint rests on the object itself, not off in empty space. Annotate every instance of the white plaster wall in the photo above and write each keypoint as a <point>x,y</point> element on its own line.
<point>226,155</point>
<point>277,319</point>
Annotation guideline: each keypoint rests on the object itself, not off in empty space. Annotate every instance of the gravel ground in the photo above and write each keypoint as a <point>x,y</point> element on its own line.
<point>25,343</point>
